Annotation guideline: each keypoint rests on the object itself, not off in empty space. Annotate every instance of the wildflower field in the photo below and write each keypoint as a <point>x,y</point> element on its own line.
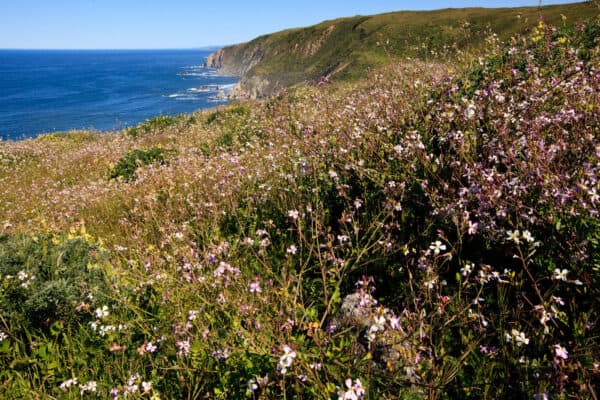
<point>431,232</point>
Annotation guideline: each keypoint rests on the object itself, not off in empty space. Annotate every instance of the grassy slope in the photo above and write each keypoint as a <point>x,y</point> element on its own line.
<point>426,178</point>
<point>297,55</point>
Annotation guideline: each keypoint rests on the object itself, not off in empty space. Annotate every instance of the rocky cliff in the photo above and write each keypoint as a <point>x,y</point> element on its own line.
<point>344,49</point>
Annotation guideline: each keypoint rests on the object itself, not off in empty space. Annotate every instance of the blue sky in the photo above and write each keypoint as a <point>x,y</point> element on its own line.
<point>144,24</point>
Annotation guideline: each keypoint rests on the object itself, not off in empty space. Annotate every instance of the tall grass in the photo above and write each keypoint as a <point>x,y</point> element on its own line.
<point>454,210</point>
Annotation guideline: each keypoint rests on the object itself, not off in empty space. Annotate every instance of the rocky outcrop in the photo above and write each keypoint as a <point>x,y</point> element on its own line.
<point>235,60</point>
<point>271,62</point>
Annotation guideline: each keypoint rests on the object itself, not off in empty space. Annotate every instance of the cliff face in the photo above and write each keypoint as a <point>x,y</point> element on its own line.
<point>346,48</point>
<point>233,60</point>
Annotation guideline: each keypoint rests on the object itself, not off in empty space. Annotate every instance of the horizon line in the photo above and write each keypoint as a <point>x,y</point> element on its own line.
<point>110,49</point>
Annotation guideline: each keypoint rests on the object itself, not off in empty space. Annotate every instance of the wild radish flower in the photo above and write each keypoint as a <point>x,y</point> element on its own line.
<point>561,352</point>
<point>519,337</point>
<point>437,246</point>
<point>252,385</point>
<point>293,214</point>
<point>394,322</point>
<point>3,336</point>
<point>114,393</point>
<point>25,278</point>
<point>343,238</point>
<point>104,329</point>
<point>398,149</point>
<point>488,350</point>
<point>561,275</point>
<point>193,314</point>
<point>261,233</point>
<point>430,284</point>
<point>183,347</point>
<point>353,391</point>
<point>286,359</point>
<point>472,228</point>
<point>254,287</point>
<point>377,326</point>
<point>221,354</point>
<point>527,236</point>
<point>467,269</point>
<point>150,347</point>
<point>68,383</point>
<point>88,387</point>
<point>146,387</point>
<point>102,312</point>
<point>292,249</point>
<point>470,111</point>
<point>513,236</point>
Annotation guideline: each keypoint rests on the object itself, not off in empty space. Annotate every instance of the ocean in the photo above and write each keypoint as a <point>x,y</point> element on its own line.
<point>43,91</point>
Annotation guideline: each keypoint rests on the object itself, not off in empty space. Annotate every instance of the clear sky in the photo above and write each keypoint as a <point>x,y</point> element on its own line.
<point>145,24</point>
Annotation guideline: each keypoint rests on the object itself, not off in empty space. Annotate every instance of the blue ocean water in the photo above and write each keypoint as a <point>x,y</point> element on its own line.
<point>45,91</point>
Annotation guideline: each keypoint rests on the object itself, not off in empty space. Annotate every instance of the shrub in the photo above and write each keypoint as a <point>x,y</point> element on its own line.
<point>43,279</point>
<point>127,165</point>
<point>156,124</point>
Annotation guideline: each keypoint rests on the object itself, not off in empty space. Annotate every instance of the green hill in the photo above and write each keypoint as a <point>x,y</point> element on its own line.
<point>345,48</point>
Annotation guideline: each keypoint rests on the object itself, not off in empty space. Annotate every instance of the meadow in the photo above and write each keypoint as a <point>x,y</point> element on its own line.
<point>430,232</point>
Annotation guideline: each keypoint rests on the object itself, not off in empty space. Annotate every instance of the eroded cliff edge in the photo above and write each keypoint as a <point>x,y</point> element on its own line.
<point>345,49</point>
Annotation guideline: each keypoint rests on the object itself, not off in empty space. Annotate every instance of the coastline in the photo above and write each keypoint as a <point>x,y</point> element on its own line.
<point>51,92</point>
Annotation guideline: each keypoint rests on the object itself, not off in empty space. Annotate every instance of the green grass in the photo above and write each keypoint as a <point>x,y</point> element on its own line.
<point>345,48</point>
<point>462,197</point>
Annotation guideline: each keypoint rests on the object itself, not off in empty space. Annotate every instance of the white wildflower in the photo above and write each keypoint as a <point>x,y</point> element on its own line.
<point>102,312</point>
<point>513,236</point>
<point>437,246</point>
<point>561,352</point>
<point>88,387</point>
<point>467,269</point>
<point>561,275</point>
<point>68,383</point>
<point>520,338</point>
<point>286,360</point>
<point>527,236</point>
<point>353,391</point>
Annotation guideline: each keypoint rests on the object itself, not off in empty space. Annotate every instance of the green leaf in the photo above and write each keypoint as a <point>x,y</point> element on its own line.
<point>56,328</point>
<point>4,346</point>
<point>42,352</point>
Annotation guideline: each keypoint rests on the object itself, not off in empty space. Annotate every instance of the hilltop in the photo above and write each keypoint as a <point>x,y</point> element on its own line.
<point>344,49</point>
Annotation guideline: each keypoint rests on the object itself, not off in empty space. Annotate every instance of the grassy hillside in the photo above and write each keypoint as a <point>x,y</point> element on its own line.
<point>344,48</point>
<point>431,232</point>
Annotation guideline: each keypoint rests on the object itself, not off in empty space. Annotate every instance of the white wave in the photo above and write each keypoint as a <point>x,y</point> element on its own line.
<point>187,98</point>
<point>193,67</point>
<point>201,89</point>
<point>217,99</point>
<point>229,87</point>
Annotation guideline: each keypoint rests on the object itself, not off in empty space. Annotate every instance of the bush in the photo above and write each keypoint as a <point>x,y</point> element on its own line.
<point>156,124</point>
<point>43,279</point>
<point>127,165</point>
